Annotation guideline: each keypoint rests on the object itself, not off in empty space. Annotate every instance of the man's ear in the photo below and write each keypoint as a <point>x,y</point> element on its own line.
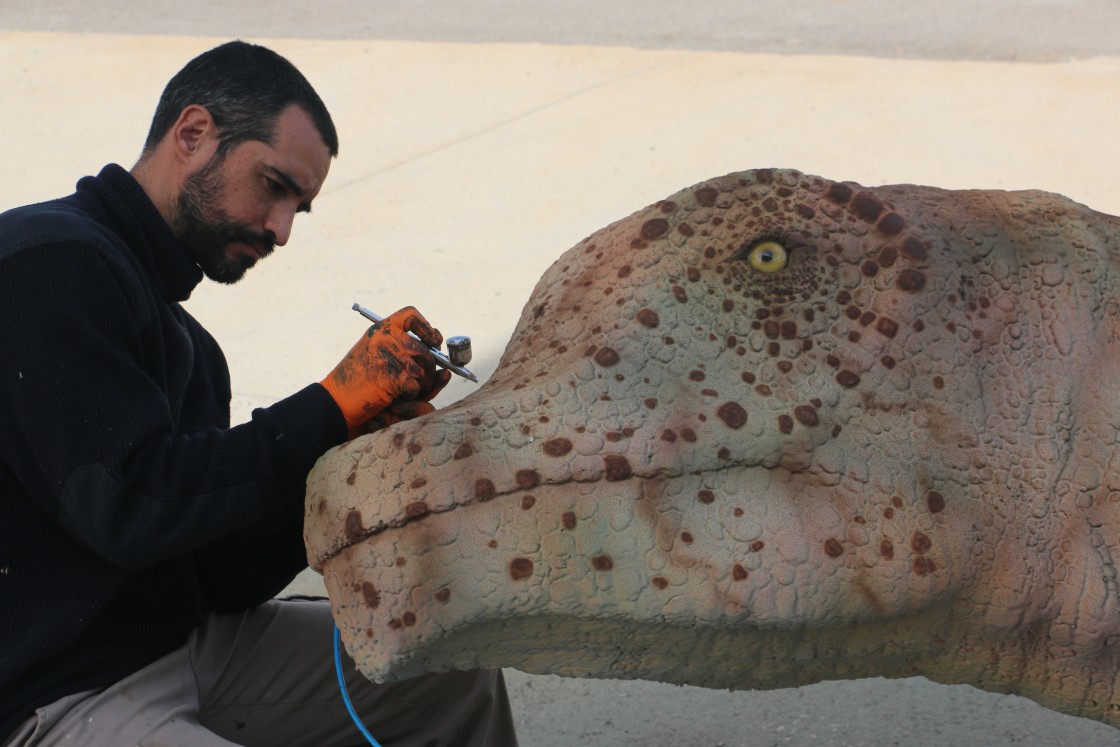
<point>194,135</point>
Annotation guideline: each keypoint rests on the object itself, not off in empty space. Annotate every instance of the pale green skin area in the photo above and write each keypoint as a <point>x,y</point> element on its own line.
<point>924,482</point>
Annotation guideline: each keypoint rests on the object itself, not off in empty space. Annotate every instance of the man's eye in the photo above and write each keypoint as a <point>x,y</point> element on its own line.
<point>273,186</point>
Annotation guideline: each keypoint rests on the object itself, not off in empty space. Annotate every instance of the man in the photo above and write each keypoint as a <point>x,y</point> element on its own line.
<point>142,539</point>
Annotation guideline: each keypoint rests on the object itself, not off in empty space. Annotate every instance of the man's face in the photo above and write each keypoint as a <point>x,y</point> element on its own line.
<point>234,210</point>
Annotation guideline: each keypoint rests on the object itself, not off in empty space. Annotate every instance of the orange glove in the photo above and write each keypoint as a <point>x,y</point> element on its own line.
<point>386,365</point>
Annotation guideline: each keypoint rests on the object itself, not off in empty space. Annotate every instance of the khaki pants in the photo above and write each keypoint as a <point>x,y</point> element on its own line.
<point>266,677</point>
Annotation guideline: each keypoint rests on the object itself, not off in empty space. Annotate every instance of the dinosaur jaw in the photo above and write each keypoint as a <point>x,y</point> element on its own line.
<point>618,568</point>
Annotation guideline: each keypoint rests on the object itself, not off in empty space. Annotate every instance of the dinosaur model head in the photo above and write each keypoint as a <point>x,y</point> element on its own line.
<point>770,430</point>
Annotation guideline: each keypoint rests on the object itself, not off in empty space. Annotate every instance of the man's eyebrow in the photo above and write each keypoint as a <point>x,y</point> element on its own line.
<point>291,184</point>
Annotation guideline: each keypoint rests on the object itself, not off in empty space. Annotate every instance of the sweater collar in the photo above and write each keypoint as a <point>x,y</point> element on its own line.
<point>163,256</point>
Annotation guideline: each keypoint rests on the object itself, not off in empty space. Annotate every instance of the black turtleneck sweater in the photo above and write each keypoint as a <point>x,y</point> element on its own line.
<point>128,505</point>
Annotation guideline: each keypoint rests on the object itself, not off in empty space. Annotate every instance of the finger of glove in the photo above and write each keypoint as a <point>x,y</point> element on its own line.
<point>409,319</point>
<point>397,412</point>
<point>442,377</point>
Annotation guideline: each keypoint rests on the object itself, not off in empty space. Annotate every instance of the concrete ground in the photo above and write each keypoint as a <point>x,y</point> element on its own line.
<point>481,138</point>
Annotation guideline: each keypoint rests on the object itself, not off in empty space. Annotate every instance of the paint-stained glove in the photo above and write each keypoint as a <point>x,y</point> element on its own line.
<point>387,367</point>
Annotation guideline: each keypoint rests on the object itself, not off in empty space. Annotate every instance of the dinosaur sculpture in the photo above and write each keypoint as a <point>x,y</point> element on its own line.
<point>772,430</point>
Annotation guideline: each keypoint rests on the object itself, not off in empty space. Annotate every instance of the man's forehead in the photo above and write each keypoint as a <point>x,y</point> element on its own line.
<point>298,155</point>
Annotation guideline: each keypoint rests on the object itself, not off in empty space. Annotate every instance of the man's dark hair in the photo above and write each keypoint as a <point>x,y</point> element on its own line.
<point>245,87</point>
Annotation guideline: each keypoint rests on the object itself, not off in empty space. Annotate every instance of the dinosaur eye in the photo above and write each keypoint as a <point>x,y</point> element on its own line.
<point>769,256</point>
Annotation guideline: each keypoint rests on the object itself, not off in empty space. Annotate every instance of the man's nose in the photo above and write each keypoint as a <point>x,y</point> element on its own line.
<point>279,224</point>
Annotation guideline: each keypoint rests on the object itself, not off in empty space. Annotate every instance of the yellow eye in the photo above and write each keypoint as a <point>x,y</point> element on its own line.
<point>769,256</point>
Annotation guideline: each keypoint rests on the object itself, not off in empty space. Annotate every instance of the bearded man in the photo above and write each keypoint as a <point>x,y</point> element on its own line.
<point>143,539</point>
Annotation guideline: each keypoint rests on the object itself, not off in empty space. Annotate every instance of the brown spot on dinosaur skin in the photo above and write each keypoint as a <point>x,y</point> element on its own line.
<point>442,595</point>
<point>660,582</point>
<point>923,565</point>
<point>668,436</point>
<point>688,435</point>
<point>370,595</point>
<point>353,476</point>
<point>528,501</point>
<point>418,483</point>
<point>409,619</point>
<point>915,249</point>
<point>654,229</point>
<point>395,624</point>
<point>839,193</point>
<point>738,572</point>
<point>602,563</point>
<point>890,225</point>
<point>696,375</point>
<point>806,415</point>
<point>867,317</point>
<point>938,382</point>
<point>732,414</point>
<point>616,467</point>
<point>520,569</point>
<point>492,544</point>
<point>354,529</point>
<point>935,501</point>
<point>557,447</point>
<point>624,271</point>
<point>679,294</point>
<point>888,361</point>
<point>847,379</point>
<point>919,542</point>
<point>833,548</point>
<point>757,545</point>
<point>648,318</point>
<point>569,520</point>
<point>705,496</point>
<point>887,327</point>
<point>686,537</point>
<point>896,501</point>
<point>463,451</point>
<point>606,357</point>
<point>910,280</point>
<point>484,490</point>
<point>867,207</point>
<point>706,196</point>
<point>785,424</point>
<point>886,549</point>
<point>870,268</point>
<point>738,512</point>
<point>415,449</point>
<point>322,506</point>
<point>527,479</point>
<point>416,509</point>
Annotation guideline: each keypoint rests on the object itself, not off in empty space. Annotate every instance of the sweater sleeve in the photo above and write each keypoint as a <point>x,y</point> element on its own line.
<point>88,378</point>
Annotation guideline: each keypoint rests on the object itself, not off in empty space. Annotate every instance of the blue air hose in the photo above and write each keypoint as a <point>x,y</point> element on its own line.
<point>346,695</point>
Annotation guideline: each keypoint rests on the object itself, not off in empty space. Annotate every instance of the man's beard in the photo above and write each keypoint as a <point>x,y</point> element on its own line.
<point>207,230</point>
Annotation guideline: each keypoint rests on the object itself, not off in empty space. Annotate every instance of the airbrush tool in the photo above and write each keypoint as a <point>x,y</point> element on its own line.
<point>458,348</point>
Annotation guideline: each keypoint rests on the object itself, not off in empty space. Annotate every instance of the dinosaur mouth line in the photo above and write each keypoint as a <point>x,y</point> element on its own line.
<point>355,531</point>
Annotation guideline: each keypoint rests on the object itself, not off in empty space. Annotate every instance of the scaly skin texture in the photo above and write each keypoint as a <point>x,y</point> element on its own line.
<point>893,457</point>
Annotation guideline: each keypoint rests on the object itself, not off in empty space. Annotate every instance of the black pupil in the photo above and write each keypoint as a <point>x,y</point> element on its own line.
<point>767,255</point>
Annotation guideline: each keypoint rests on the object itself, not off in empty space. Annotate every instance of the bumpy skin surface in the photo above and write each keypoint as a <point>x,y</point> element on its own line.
<point>895,456</point>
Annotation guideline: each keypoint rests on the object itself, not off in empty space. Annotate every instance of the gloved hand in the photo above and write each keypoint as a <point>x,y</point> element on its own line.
<point>385,366</point>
